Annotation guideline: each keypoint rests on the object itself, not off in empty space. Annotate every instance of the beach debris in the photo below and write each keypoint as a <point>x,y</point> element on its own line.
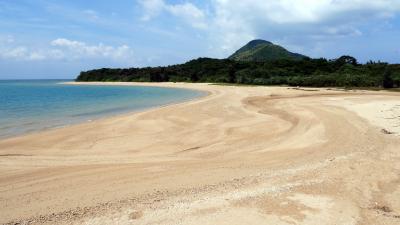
<point>386,131</point>
<point>136,215</point>
<point>383,208</point>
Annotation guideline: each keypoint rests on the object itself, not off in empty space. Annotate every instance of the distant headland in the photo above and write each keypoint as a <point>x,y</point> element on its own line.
<point>261,62</point>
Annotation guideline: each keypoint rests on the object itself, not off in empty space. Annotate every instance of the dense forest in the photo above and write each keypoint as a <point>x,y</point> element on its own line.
<point>342,72</point>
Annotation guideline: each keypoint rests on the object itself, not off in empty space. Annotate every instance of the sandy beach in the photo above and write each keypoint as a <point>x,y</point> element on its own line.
<point>241,155</point>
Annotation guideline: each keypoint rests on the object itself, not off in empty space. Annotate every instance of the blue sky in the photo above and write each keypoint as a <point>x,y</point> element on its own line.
<point>60,38</point>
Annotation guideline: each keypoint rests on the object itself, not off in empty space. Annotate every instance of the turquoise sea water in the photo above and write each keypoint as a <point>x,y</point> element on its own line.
<point>33,105</point>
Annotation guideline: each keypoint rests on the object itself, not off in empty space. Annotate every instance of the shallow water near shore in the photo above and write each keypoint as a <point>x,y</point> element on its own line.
<point>32,105</point>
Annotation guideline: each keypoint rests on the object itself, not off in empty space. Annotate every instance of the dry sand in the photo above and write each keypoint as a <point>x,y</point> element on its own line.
<point>241,155</point>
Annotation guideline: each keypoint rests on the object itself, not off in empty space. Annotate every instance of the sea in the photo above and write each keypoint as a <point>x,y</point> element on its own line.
<point>28,106</point>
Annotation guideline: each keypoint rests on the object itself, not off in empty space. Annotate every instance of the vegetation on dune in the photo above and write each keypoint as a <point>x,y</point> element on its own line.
<point>269,67</point>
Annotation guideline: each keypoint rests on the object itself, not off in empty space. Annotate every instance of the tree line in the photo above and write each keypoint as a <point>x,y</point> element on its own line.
<point>342,72</point>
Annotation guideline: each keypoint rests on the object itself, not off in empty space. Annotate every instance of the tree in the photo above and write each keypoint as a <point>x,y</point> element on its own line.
<point>387,78</point>
<point>231,74</point>
<point>194,77</point>
<point>346,59</point>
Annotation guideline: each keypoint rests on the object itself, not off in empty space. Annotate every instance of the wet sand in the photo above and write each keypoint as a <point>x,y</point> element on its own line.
<point>241,155</point>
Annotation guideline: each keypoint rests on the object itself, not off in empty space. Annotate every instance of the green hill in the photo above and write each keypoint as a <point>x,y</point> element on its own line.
<point>261,51</point>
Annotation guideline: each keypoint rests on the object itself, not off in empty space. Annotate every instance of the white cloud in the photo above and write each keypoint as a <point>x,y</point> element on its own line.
<point>65,49</point>
<point>18,52</point>
<point>235,22</point>
<point>62,42</point>
<point>21,53</point>
<point>304,11</point>
<point>231,23</point>
<point>187,11</point>
<point>77,49</point>
<point>34,56</point>
<point>151,8</point>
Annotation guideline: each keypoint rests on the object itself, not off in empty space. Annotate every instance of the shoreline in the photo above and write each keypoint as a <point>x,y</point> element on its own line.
<point>204,94</point>
<point>255,153</point>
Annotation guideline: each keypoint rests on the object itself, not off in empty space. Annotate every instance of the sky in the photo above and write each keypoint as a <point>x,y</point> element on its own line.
<point>57,39</point>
